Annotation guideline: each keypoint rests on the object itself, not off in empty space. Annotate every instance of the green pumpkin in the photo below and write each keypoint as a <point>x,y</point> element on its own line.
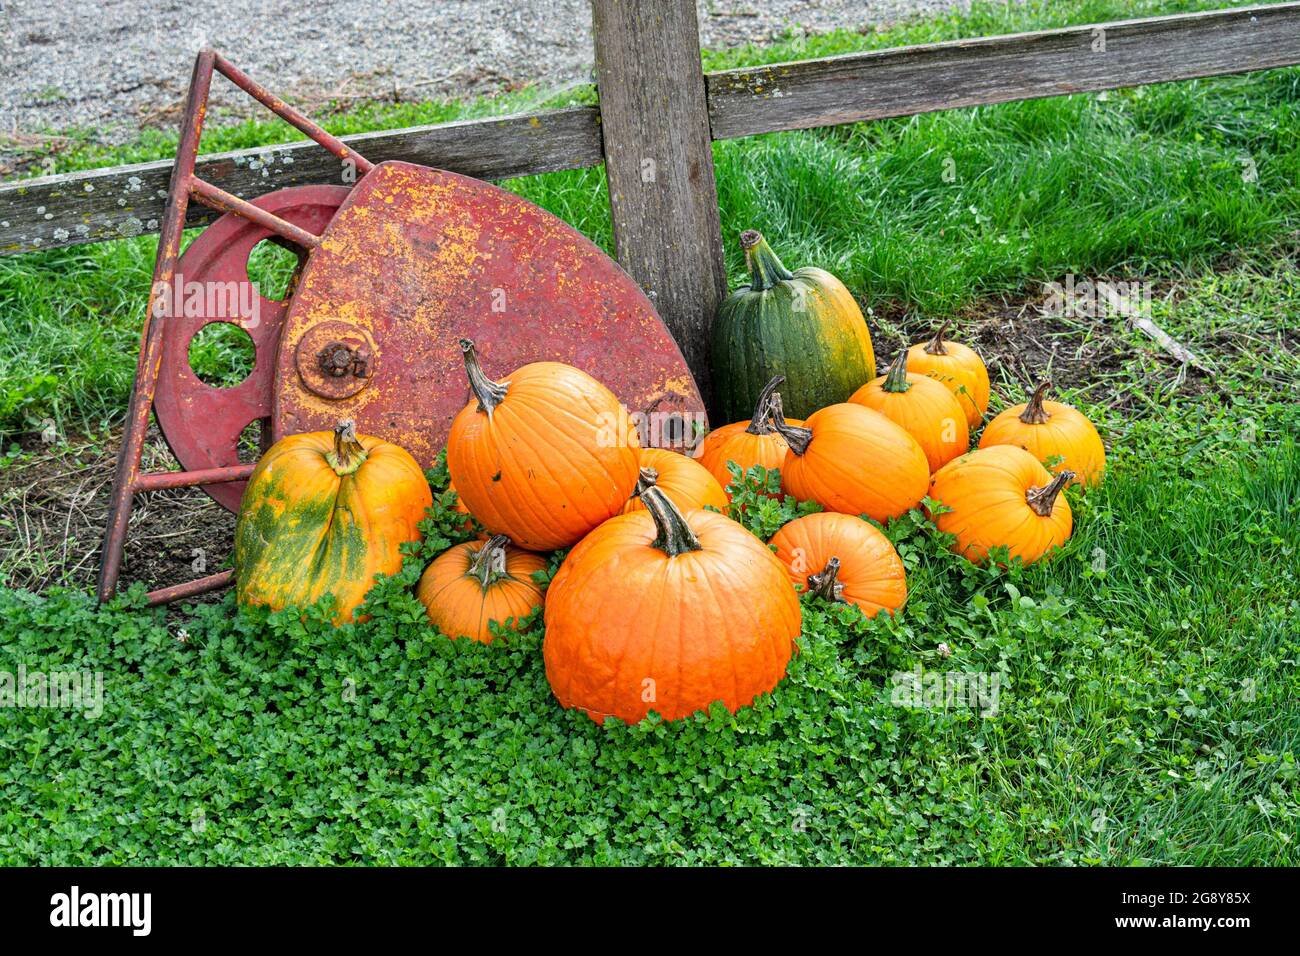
<point>802,324</point>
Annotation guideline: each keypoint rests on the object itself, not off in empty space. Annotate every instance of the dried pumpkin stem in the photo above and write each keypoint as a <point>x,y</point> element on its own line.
<point>645,478</point>
<point>826,584</point>
<point>765,269</point>
<point>760,423</point>
<point>674,535</point>
<point>1043,498</point>
<point>935,346</point>
<point>1035,413</point>
<point>489,564</point>
<point>896,379</point>
<point>348,453</point>
<point>489,393</point>
<point>797,437</point>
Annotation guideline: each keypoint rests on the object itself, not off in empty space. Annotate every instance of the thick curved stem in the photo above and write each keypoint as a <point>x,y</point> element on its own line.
<point>348,453</point>
<point>489,393</point>
<point>1035,413</point>
<point>765,269</point>
<point>760,423</point>
<point>896,378</point>
<point>674,536</point>
<point>797,437</point>
<point>935,346</point>
<point>489,564</point>
<point>1043,498</point>
<point>826,584</point>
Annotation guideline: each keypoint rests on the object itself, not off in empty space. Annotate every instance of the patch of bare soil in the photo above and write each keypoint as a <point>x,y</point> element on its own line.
<point>54,508</point>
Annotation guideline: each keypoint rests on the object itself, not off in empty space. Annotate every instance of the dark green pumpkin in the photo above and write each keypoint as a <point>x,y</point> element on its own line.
<point>804,325</point>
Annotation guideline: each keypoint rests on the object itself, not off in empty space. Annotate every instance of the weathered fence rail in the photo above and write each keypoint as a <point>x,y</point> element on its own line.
<point>120,201</point>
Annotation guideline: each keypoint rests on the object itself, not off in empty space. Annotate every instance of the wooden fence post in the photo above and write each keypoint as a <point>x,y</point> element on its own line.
<point>659,163</point>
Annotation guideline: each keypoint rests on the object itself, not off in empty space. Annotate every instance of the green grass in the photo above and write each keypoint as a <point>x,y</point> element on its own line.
<point>1147,182</point>
<point>1146,715</point>
<point>1147,711</point>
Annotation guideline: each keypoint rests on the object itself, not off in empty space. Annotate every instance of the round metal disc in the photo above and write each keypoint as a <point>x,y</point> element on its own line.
<point>418,258</point>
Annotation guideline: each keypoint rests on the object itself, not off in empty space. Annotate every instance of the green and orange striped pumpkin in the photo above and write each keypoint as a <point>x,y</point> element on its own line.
<point>324,513</point>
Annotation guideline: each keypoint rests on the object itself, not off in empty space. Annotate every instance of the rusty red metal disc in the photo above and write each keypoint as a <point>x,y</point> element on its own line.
<point>416,259</point>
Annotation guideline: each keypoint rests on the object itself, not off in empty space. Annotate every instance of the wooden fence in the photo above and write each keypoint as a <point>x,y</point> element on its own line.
<point>659,113</point>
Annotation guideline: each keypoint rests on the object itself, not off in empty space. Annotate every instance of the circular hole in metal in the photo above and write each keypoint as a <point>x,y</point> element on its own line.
<point>271,267</point>
<point>254,440</point>
<point>222,354</point>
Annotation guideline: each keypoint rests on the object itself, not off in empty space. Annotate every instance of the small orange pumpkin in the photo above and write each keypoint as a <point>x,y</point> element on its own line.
<point>750,443</point>
<point>543,457</point>
<point>656,610</point>
<point>924,408</point>
<point>472,584</point>
<point>1002,496</point>
<point>852,460</point>
<point>959,368</point>
<point>684,480</point>
<point>843,558</point>
<point>1050,430</point>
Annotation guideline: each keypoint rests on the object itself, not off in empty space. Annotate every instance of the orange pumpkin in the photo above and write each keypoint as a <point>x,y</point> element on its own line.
<point>1002,496</point>
<point>1051,432</point>
<point>924,408</point>
<point>543,457</point>
<point>472,584</point>
<point>323,513</point>
<point>850,459</point>
<point>843,558</point>
<point>959,368</point>
<point>682,479</point>
<point>657,610</point>
<point>750,443</point>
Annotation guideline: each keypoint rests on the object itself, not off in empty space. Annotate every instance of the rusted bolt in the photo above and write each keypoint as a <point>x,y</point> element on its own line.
<point>337,360</point>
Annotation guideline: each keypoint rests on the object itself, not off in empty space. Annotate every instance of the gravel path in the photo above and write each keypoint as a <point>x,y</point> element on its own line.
<point>117,65</point>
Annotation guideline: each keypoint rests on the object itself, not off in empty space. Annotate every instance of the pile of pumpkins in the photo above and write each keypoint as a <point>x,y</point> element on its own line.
<point>665,603</point>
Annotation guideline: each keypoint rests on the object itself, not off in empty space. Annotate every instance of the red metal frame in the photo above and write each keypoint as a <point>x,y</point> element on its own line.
<point>128,480</point>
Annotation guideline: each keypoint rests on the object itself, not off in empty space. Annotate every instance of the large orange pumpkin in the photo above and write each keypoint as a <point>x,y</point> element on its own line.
<point>542,457</point>
<point>1060,436</point>
<point>473,584</point>
<point>959,368</point>
<point>1002,496</point>
<point>924,408</point>
<point>755,442</point>
<point>843,558</point>
<point>850,459</point>
<point>657,610</point>
<point>684,480</point>
<point>323,513</point>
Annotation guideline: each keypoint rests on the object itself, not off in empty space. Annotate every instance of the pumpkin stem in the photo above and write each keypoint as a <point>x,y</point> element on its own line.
<point>896,380</point>
<point>1035,413</point>
<point>760,423</point>
<point>826,584</point>
<point>796,437</point>
<point>1042,499</point>
<point>765,269</point>
<point>488,392</point>
<point>674,535</point>
<point>935,346</point>
<point>645,478</point>
<point>348,453</point>
<point>489,564</point>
